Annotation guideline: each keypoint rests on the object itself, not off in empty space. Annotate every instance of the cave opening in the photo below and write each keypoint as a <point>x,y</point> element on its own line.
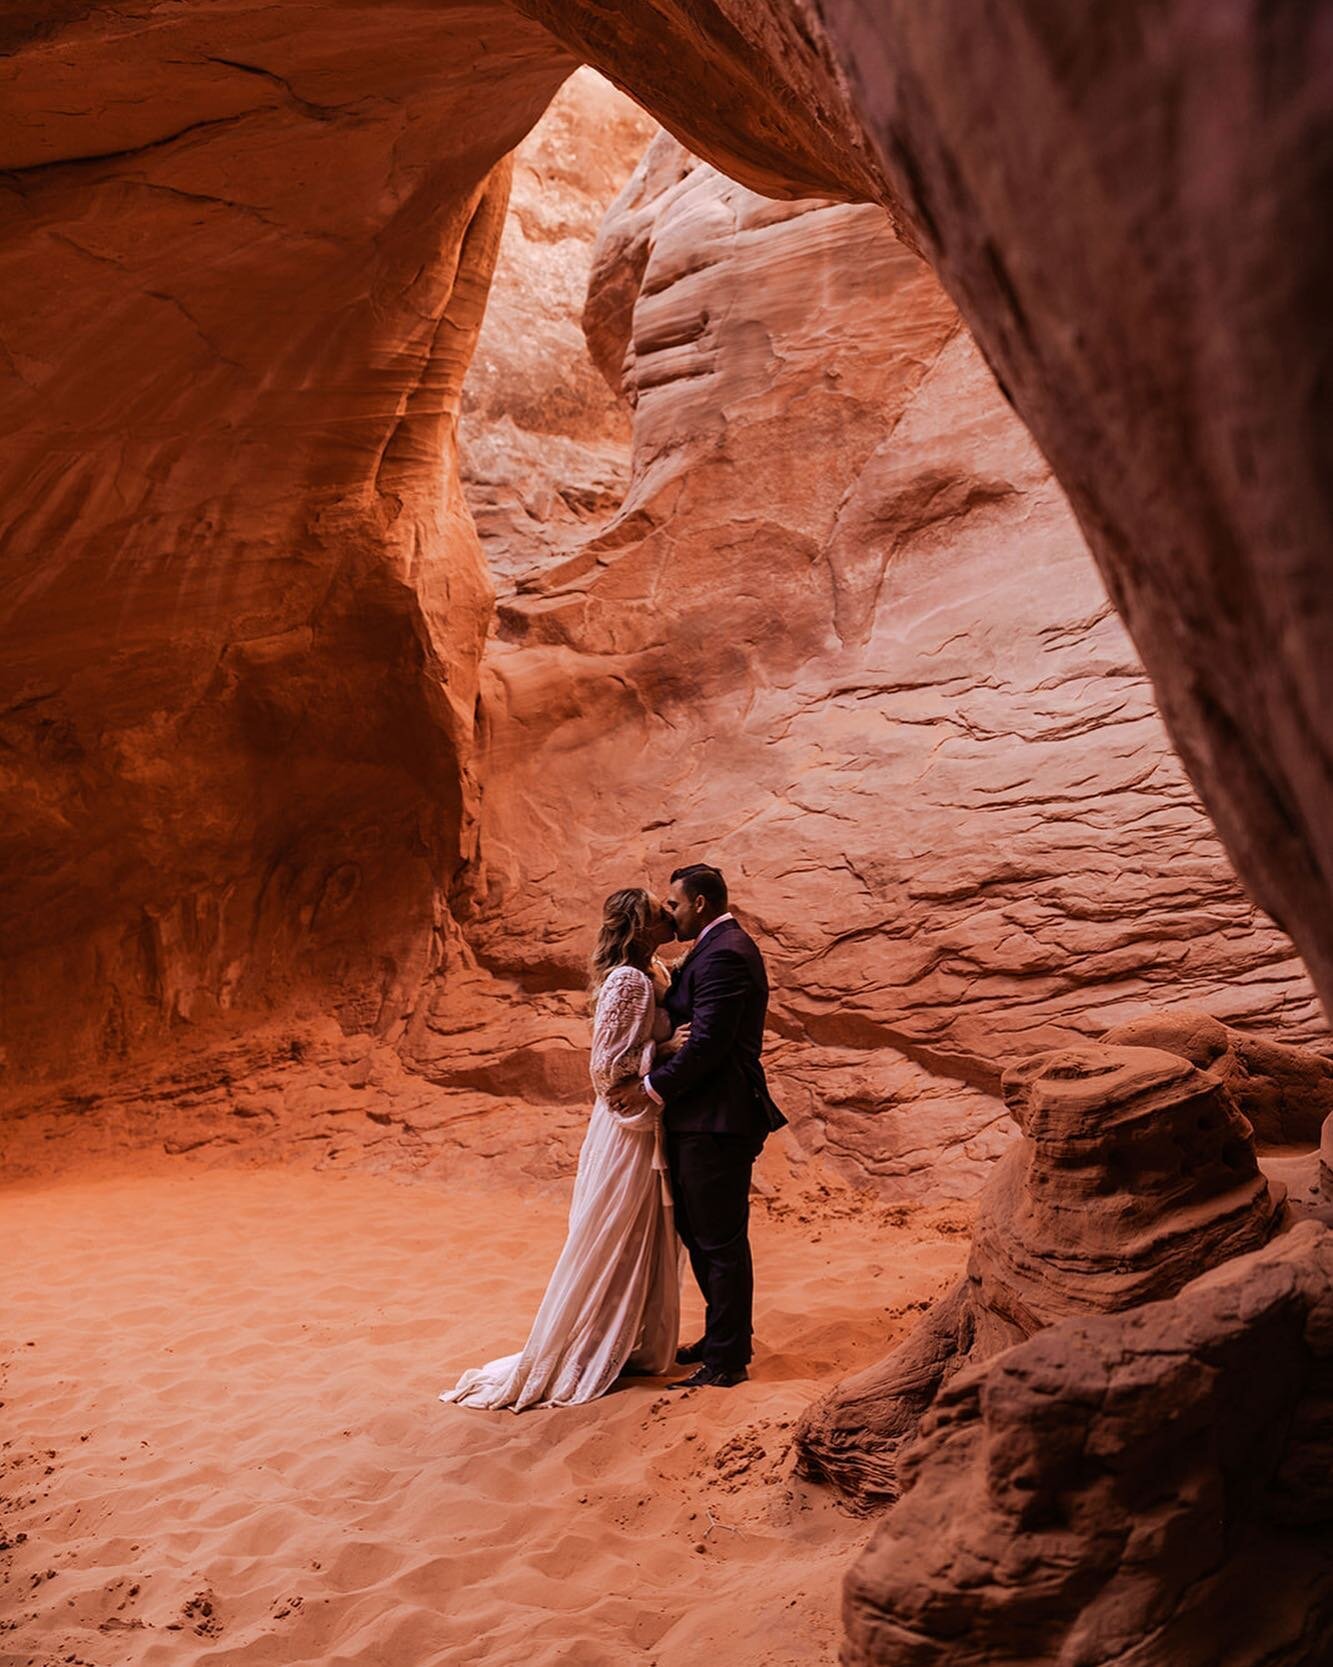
<point>304,852</point>
<point>783,584</point>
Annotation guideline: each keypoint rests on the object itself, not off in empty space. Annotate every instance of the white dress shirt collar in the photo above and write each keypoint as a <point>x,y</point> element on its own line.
<point>711,924</point>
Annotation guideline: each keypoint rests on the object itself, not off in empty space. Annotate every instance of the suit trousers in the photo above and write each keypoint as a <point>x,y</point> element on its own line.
<point>710,1186</point>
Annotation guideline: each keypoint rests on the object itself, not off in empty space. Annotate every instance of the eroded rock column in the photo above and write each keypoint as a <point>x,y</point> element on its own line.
<point>1136,1172</point>
<point>244,601</point>
<point>1144,1489</point>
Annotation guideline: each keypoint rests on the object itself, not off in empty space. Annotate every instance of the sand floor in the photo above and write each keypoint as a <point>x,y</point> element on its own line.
<point>221,1441</point>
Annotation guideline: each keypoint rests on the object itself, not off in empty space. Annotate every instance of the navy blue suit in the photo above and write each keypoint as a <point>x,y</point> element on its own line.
<point>716,1083</point>
<point>717,1113</point>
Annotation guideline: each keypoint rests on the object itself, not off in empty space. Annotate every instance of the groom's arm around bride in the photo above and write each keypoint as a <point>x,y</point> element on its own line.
<point>716,1003</point>
<point>716,1082</point>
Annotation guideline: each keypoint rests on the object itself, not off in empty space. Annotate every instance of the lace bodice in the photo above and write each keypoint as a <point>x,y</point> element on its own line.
<point>622,1046</point>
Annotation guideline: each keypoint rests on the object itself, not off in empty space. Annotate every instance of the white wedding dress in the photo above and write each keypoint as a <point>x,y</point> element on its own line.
<point>613,1301</point>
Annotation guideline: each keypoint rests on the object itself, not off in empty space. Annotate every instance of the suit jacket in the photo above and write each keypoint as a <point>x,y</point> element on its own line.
<point>716,1083</point>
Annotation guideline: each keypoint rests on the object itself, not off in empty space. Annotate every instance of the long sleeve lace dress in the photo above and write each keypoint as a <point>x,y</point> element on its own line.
<point>613,1301</point>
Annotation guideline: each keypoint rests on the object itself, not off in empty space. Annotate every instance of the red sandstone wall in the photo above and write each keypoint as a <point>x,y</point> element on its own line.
<point>242,613</point>
<point>244,602</point>
<point>844,638</point>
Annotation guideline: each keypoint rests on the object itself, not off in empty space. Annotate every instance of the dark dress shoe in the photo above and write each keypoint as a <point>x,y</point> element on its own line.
<point>691,1354</point>
<point>710,1377</point>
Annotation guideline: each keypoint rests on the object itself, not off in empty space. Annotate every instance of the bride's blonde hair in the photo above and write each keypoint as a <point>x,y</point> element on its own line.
<point>626,917</point>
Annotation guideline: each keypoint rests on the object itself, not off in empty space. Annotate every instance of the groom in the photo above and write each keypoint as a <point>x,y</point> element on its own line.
<point>717,1114</point>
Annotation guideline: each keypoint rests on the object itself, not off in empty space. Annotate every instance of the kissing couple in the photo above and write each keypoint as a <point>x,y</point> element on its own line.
<point>680,1113</point>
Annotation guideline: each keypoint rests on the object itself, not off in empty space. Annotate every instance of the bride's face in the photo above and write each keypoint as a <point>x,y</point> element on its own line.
<point>661,928</point>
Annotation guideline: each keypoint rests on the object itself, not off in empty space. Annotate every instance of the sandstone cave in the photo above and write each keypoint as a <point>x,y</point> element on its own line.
<point>460,458</point>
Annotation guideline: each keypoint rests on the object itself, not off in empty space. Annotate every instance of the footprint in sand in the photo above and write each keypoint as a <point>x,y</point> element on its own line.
<point>201,1612</point>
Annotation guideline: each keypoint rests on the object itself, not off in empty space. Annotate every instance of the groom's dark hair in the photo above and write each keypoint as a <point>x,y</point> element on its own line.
<point>701,879</point>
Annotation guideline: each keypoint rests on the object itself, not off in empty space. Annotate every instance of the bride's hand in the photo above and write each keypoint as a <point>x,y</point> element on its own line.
<point>674,1043</point>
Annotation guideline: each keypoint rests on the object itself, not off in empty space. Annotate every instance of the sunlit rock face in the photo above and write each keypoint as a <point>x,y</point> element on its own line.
<point>544,443</point>
<point>1130,210</point>
<point>844,639</point>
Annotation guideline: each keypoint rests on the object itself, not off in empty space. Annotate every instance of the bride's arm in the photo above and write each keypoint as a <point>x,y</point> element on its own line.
<point>621,1045</point>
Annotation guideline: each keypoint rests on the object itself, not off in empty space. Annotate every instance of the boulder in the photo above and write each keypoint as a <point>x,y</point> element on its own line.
<point>1149,1489</point>
<point>1135,1173</point>
<point>1285,1092</point>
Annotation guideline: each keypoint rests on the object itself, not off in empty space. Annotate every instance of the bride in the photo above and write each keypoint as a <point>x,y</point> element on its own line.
<point>613,1301</point>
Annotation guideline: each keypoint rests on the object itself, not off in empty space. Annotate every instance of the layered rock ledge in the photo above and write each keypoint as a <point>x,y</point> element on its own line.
<point>1138,1489</point>
<point>1135,1173</point>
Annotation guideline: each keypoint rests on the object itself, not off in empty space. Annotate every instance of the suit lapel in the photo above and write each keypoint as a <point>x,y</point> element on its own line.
<point>695,955</point>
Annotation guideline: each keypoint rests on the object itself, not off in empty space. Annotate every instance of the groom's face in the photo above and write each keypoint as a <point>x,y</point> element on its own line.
<point>686,912</point>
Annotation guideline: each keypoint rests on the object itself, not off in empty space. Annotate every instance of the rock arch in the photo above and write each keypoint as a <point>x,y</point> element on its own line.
<point>240,312</point>
<point>243,605</point>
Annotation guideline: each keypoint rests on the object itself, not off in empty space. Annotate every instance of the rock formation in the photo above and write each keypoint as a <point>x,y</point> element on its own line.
<point>1136,1172</point>
<point>1286,1093</point>
<point>305,1095</point>
<point>1142,1489</point>
<point>1326,1162</point>
<point>875,678</point>
<point>1129,211</point>
<point>245,603</point>
<point>245,608</point>
<point>240,696</point>
<point>544,444</point>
